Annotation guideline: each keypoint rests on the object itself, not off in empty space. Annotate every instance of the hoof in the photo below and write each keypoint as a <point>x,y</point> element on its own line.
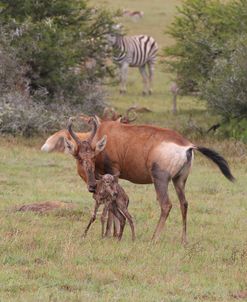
<point>144,93</point>
<point>122,92</point>
<point>83,236</point>
<point>150,92</point>
<point>184,241</point>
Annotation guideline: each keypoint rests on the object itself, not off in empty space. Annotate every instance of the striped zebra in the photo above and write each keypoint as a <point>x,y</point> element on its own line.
<point>135,51</point>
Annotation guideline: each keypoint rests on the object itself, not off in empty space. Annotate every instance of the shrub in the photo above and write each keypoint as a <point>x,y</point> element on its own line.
<point>52,62</point>
<point>28,114</point>
<point>201,31</point>
<point>55,39</point>
<point>209,56</point>
<point>226,90</point>
<point>22,115</point>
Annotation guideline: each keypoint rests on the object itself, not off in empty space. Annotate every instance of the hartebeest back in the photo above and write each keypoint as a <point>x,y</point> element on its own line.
<point>141,154</point>
<point>56,141</point>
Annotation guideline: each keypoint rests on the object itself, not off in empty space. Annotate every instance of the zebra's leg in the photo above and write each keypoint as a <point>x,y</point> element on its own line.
<point>123,77</point>
<point>151,74</point>
<point>145,79</point>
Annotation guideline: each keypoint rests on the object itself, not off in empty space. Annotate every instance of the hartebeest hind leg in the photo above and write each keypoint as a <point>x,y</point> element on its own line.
<point>179,184</point>
<point>161,180</point>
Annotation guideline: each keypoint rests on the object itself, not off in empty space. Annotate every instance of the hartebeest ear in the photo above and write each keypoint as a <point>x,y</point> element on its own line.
<point>69,146</point>
<point>100,146</point>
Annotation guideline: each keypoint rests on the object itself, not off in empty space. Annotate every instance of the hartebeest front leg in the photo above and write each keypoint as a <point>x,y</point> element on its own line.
<point>179,184</point>
<point>161,180</point>
<point>93,218</point>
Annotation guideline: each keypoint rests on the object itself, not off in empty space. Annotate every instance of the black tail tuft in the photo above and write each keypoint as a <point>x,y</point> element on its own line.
<point>218,160</point>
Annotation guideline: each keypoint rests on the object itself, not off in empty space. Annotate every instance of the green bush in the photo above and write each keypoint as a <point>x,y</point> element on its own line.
<point>209,57</point>
<point>56,39</point>
<point>201,31</point>
<point>226,88</point>
<point>52,63</point>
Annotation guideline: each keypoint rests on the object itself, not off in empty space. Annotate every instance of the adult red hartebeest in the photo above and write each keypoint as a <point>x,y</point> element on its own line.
<point>142,154</point>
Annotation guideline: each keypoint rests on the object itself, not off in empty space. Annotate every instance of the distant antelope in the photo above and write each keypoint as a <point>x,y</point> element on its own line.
<point>133,15</point>
<point>110,114</point>
<point>134,51</point>
<point>113,197</point>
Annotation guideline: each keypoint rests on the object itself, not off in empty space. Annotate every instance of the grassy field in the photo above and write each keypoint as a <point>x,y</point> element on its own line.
<point>42,256</point>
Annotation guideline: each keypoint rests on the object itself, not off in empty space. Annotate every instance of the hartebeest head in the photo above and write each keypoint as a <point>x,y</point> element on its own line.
<point>85,153</point>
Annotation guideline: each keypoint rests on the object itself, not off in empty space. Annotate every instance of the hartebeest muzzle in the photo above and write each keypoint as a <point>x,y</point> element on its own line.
<point>92,188</point>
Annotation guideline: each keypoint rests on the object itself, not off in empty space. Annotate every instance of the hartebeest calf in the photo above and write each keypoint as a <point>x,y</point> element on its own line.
<point>142,154</point>
<point>113,197</point>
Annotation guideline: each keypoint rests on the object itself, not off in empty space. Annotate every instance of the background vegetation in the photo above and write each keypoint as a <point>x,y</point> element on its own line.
<point>41,255</point>
<point>209,57</point>
<point>52,56</point>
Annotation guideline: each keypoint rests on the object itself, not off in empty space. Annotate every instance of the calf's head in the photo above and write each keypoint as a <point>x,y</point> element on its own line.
<point>109,185</point>
<point>85,154</point>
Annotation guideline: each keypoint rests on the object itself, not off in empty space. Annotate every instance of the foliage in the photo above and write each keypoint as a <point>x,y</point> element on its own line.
<point>201,31</point>
<point>29,114</point>
<point>210,56</point>
<point>20,114</point>
<point>52,58</point>
<point>226,89</point>
<point>43,257</point>
<point>56,39</point>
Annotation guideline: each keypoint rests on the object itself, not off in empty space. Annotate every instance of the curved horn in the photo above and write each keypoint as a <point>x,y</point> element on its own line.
<point>72,133</point>
<point>92,121</point>
<point>127,118</point>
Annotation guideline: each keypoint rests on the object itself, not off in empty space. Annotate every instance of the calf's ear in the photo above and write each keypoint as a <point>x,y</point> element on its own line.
<point>69,146</point>
<point>100,146</point>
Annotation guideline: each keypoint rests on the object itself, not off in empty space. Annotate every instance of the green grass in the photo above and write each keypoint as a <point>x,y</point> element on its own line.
<point>42,257</point>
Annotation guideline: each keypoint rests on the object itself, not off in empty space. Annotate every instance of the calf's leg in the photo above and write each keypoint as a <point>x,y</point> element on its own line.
<point>92,219</point>
<point>130,220</point>
<point>103,219</point>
